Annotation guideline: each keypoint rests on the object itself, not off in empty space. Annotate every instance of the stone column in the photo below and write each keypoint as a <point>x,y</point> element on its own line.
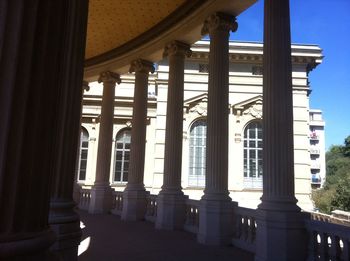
<point>215,214</point>
<point>101,192</point>
<point>35,78</point>
<point>280,232</point>
<point>134,196</point>
<point>171,200</point>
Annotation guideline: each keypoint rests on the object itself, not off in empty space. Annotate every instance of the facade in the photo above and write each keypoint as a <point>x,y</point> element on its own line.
<point>245,125</point>
<point>317,149</point>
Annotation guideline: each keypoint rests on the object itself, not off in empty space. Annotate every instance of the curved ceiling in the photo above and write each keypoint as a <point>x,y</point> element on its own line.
<point>120,31</point>
<point>112,23</point>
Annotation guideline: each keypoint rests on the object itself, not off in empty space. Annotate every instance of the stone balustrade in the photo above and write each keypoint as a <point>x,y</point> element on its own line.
<point>329,236</point>
<point>117,203</point>
<point>328,241</point>
<point>335,218</point>
<point>151,208</point>
<point>192,216</point>
<point>245,229</point>
<point>84,200</point>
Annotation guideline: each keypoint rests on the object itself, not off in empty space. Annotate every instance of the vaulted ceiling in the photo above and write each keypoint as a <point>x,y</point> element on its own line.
<point>122,30</point>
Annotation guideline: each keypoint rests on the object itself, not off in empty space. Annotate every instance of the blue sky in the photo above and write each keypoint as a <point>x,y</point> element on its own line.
<point>326,23</point>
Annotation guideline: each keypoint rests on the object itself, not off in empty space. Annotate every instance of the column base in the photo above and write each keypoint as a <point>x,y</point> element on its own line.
<point>101,199</point>
<point>216,221</point>
<point>134,203</point>
<point>280,236</point>
<point>171,210</point>
<point>66,224</point>
<point>29,247</point>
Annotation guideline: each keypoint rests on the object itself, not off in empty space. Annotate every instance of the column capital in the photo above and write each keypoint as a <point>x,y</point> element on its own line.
<point>177,48</point>
<point>141,66</point>
<point>86,86</point>
<point>109,77</point>
<point>219,21</point>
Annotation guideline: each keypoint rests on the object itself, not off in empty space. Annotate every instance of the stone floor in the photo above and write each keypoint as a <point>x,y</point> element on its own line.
<point>109,238</point>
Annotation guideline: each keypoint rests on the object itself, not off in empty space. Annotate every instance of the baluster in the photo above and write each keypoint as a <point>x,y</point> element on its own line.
<point>346,249</point>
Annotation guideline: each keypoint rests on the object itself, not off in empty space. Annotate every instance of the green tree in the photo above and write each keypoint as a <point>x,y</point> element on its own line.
<point>336,191</point>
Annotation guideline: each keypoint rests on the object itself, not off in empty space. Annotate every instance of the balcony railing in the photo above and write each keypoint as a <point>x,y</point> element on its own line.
<point>314,151</point>
<point>84,201</point>
<point>151,209</point>
<point>192,216</point>
<point>328,241</point>
<point>245,229</point>
<point>117,203</point>
<point>329,236</point>
<point>314,136</point>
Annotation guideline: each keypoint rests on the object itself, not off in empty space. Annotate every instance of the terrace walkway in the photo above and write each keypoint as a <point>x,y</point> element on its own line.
<point>113,239</point>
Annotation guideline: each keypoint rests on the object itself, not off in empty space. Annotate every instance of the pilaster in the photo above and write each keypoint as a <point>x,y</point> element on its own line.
<point>101,192</point>
<point>134,196</point>
<point>171,200</point>
<point>215,220</point>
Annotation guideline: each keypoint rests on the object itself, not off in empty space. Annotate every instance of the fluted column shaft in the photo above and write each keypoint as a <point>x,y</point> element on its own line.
<point>139,118</point>
<point>278,156</point>
<point>218,28</point>
<point>101,192</point>
<point>62,218</point>
<point>176,53</point>
<point>134,196</point>
<point>35,39</point>
<point>281,233</point>
<point>103,164</point>
<point>216,209</point>
<point>171,200</point>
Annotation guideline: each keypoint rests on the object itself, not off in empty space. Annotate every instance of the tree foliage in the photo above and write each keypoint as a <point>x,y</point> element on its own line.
<point>336,191</point>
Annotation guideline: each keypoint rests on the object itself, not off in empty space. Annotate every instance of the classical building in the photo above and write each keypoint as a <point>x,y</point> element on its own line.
<point>317,149</point>
<point>50,50</point>
<point>245,125</point>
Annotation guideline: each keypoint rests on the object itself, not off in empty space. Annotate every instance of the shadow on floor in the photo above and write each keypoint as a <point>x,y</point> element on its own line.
<point>113,239</point>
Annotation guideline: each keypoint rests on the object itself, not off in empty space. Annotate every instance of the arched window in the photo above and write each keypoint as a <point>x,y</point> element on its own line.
<point>198,133</point>
<point>122,155</point>
<point>83,153</point>
<point>253,155</point>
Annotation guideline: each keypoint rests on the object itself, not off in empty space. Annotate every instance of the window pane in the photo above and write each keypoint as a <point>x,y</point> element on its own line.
<point>82,174</point>
<point>197,143</point>
<point>122,154</point>
<point>84,145</point>
<point>125,176</point>
<point>117,176</point>
<point>252,156</point>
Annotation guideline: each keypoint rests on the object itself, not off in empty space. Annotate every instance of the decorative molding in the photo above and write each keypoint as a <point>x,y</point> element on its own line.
<point>252,107</point>
<point>219,21</point>
<point>109,77</point>
<point>86,86</point>
<point>177,48</point>
<point>141,66</point>
<point>198,104</point>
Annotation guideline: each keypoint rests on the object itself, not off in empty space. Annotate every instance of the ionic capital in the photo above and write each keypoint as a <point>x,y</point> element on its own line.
<point>109,77</point>
<point>219,21</point>
<point>141,66</point>
<point>177,48</point>
<point>86,86</point>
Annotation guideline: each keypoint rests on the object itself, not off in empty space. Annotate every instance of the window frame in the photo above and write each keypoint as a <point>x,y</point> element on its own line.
<point>252,155</point>
<point>124,152</point>
<point>197,145</point>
